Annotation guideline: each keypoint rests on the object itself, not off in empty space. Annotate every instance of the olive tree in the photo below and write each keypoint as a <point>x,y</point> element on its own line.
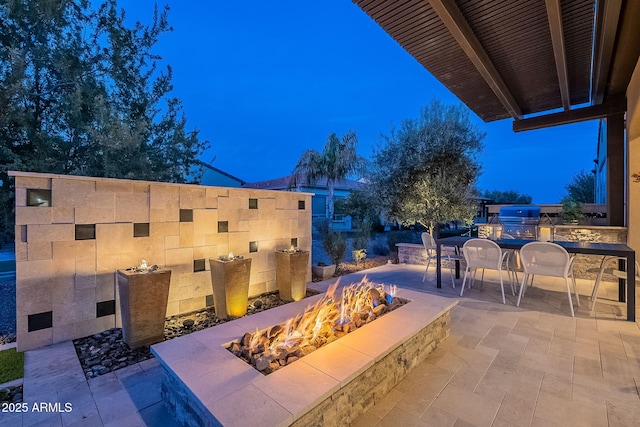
<point>425,171</point>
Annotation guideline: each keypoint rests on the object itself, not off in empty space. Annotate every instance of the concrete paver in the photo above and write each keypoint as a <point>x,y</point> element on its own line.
<point>502,365</point>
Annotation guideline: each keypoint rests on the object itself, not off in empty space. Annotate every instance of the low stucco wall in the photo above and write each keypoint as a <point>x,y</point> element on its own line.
<point>66,287</point>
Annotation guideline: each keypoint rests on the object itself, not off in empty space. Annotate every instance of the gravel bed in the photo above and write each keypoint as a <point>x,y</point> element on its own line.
<point>11,394</point>
<point>104,352</point>
<point>7,310</point>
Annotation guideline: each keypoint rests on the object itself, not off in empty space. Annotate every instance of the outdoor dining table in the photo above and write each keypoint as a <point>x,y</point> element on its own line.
<point>585,248</point>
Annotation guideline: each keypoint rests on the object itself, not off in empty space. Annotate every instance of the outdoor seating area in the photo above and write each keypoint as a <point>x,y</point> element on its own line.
<point>501,365</point>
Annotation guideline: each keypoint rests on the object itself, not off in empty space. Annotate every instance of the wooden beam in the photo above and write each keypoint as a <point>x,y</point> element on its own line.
<point>554,16</point>
<point>616,106</point>
<point>615,170</point>
<point>466,38</point>
<point>606,30</point>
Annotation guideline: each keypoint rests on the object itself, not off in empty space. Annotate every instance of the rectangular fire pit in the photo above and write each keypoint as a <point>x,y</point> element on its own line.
<point>204,384</point>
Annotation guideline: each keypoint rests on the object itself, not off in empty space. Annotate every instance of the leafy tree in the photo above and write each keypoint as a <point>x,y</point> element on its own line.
<point>509,196</point>
<point>338,160</point>
<point>82,94</point>
<point>581,189</point>
<point>361,206</point>
<point>426,170</point>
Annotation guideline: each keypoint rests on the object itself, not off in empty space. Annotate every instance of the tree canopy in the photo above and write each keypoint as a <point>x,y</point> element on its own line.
<point>338,160</point>
<point>426,170</point>
<point>509,196</point>
<point>83,94</point>
<point>582,188</point>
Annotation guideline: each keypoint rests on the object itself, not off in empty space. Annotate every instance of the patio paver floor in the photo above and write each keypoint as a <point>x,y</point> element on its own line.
<point>502,365</point>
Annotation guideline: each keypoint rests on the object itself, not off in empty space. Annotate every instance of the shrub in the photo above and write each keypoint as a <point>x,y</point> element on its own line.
<point>334,243</point>
<point>380,247</point>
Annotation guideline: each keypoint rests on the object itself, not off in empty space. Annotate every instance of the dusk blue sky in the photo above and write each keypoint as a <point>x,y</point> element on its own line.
<point>264,81</point>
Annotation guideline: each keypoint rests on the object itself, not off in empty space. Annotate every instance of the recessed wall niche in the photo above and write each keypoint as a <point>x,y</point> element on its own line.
<point>85,231</point>
<point>105,308</point>
<point>141,229</point>
<point>301,204</point>
<point>38,197</point>
<point>199,265</point>
<point>38,321</point>
<point>253,246</point>
<point>223,226</point>
<point>294,242</point>
<point>186,215</point>
<point>253,203</point>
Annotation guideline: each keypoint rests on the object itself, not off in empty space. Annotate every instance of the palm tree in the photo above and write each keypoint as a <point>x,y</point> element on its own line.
<point>337,160</point>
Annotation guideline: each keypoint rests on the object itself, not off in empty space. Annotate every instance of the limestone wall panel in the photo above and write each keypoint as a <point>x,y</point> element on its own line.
<point>34,295</point>
<point>51,232</point>
<point>74,249</point>
<point>93,215</point>
<point>114,246</point>
<point>193,197</point>
<point>105,286</point>
<point>114,186</point>
<point>179,260</point>
<point>228,203</point>
<point>81,273</point>
<point>39,251</point>
<point>239,243</point>
<point>79,306</point>
<point>63,214</point>
<point>164,201</point>
<point>186,235</point>
<point>158,229</point>
<point>132,207</point>
<point>33,269</point>
<point>85,280</point>
<point>33,215</point>
<point>73,192</point>
<point>172,242</point>
<point>33,182</point>
<point>66,332</point>
<point>202,284</point>
<point>30,340</point>
<point>21,197</point>
<point>192,304</point>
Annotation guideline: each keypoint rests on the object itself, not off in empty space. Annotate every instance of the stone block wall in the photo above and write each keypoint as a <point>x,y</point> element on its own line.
<point>73,233</point>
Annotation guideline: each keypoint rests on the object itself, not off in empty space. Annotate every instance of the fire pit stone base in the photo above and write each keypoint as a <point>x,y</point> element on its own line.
<point>204,384</point>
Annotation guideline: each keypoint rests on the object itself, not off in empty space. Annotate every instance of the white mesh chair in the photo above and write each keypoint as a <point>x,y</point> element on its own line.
<point>445,253</point>
<point>547,259</point>
<point>613,271</point>
<point>484,254</point>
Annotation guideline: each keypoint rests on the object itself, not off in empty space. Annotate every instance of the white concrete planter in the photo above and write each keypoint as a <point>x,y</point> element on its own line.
<point>323,272</point>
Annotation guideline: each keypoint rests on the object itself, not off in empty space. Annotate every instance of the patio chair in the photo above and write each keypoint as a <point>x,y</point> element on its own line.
<point>445,252</point>
<point>547,259</point>
<point>613,271</point>
<point>484,254</point>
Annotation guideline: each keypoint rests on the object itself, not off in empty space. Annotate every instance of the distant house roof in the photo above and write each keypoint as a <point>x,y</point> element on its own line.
<point>213,175</point>
<point>284,183</point>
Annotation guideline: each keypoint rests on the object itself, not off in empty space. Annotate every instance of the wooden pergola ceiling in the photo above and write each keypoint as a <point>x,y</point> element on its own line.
<point>517,58</point>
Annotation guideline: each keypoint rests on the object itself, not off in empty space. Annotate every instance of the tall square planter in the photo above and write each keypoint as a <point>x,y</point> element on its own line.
<point>230,282</point>
<point>143,305</point>
<point>291,274</point>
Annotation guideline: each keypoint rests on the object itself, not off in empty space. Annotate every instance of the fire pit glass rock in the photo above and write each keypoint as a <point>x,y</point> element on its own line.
<point>327,320</point>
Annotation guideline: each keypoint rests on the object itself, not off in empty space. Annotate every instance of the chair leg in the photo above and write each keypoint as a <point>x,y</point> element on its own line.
<point>464,280</point>
<point>594,293</point>
<point>504,301</point>
<point>453,282</point>
<point>566,281</point>
<point>522,286</point>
